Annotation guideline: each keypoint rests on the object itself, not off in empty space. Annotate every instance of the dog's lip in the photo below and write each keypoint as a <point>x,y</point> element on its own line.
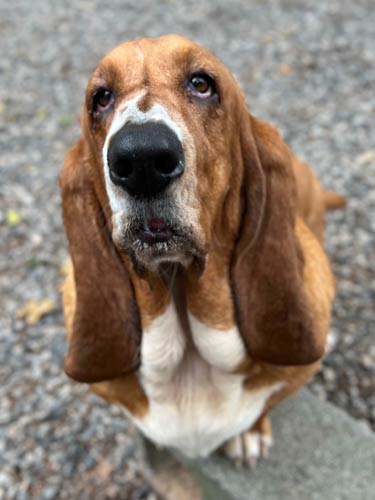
<point>152,238</point>
<point>156,231</point>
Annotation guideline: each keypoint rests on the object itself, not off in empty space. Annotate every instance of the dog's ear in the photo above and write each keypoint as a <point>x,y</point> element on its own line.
<point>271,305</point>
<point>105,336</point>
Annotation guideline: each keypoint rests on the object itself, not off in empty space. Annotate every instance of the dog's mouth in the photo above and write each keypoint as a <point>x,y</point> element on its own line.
<point>156,231</point>
<point>158,240</point>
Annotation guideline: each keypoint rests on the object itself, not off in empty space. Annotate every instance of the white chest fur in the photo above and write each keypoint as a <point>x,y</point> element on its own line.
<point>195,403</point>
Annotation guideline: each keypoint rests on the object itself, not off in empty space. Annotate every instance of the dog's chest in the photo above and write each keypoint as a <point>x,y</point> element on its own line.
<point>195,402</point>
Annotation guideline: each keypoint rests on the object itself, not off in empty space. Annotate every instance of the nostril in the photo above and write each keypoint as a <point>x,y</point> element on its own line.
<point>123,168</point>
<point>166,163</point>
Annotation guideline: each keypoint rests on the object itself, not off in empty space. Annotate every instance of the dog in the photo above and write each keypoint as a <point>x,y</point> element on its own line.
<point>198,295</point>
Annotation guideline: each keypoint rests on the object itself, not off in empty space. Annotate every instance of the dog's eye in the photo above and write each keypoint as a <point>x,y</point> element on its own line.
<point>102,101</point>
<point>202,86</point>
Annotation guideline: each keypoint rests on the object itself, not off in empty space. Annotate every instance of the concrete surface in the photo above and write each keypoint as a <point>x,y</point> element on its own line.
<point>319,454</point>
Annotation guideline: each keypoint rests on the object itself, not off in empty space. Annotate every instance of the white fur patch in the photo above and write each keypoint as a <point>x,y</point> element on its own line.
<point>194,405</point>
<point>140,55</point>
<point>222,349</point>
<point>130,113</point>
<point>164,347</point>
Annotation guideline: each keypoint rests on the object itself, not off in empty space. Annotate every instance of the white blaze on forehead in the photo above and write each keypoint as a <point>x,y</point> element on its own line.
<point>129,112</point>
<point>140,54</point>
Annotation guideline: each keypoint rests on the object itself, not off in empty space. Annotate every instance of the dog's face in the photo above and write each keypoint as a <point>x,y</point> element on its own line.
<point>160,115</point>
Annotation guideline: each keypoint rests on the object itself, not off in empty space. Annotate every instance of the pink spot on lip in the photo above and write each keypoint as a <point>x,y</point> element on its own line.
<point>157,225</point>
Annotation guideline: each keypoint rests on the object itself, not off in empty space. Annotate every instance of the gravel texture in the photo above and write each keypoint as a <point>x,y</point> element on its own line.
<point>305,66</point>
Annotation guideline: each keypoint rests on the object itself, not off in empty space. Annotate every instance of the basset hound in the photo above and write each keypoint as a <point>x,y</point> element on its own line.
<point>199,295</point>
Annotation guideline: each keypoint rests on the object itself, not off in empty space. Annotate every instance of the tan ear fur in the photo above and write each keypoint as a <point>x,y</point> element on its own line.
<point>105,331</point>
<point>272,308</point>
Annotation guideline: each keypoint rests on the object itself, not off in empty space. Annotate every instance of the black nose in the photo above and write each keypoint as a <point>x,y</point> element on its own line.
<point>144,159</point>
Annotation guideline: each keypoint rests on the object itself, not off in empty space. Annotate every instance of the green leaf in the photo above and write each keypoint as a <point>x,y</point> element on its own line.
<point>12,217</point>
<point>41,113</point>
<point>66,120</point>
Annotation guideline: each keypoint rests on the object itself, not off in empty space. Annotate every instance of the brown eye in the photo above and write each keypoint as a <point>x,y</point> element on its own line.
<point>102,101</point>
<point>202,86</point>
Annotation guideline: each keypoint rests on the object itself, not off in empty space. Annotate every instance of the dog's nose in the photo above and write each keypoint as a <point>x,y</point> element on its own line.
<point>144,159</point>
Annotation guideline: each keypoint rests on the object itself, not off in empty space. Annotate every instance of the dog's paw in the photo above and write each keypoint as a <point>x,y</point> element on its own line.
<point>247,448</point>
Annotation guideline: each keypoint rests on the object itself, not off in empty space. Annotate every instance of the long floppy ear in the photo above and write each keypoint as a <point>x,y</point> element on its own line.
<point>272,309</point>
<point>105,331</point>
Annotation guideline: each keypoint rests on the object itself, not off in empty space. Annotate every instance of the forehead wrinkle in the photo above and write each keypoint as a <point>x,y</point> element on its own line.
<point>122,69</point>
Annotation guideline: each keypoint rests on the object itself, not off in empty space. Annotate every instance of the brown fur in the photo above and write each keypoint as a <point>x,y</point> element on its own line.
<point>104,333</point>
<point>262,220</point>
<point>273,297</point>
<point>313,201</point>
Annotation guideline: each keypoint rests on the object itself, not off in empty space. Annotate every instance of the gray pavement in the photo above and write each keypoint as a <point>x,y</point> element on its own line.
<point>320,454</point>
<point>305,66</point>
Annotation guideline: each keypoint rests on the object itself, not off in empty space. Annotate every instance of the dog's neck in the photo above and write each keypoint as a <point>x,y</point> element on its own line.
<point>176,282</point>
<point>203,292</point>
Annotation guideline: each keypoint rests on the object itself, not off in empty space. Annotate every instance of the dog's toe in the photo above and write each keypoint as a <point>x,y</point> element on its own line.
<point>248,447</point>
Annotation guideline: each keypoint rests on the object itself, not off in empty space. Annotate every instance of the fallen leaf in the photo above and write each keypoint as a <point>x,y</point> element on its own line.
<point>284,69</point>
<point>103,470</point>
<point>12,217</point>
<point>288,32</point>
<point>35,309</point>
<point>41,113</point>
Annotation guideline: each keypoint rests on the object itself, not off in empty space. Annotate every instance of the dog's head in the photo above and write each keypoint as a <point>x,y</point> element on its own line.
<point>163,121</point>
